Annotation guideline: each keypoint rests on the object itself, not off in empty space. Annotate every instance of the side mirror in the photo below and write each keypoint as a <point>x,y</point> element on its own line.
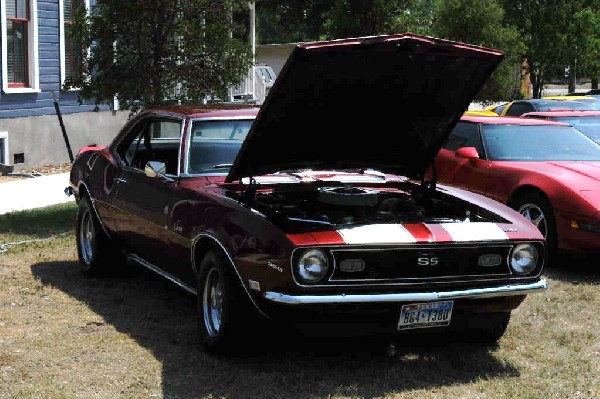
<point>467,152</point>
<point>155,169</point>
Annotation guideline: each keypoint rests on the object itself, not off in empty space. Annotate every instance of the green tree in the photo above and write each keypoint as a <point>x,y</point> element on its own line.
<point>291,21</point>
<point>481,22</point>
<point>586,24</point>
<point>152,52</point>
<point>416,16</point>
<point>545,27</point>
<point>362,18</point>
<point>576,34</point>
<point>284,21</point>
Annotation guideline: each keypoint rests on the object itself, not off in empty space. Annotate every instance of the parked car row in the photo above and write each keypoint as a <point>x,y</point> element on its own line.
<point>551,103</point>
<point>553,167</point>
<point>587,122</point>
<point>548,171</point>
<point>316,208</point>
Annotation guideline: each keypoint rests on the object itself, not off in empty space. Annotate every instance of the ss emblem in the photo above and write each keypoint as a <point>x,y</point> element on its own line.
<point>427,261</point>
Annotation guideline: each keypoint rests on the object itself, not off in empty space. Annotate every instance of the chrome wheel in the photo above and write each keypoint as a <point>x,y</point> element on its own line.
<point>86,237</point>
<point>536,216</point>
<point>212,302</point>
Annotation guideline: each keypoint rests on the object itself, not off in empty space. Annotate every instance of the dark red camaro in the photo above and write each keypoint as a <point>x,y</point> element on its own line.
<point>314,208</point>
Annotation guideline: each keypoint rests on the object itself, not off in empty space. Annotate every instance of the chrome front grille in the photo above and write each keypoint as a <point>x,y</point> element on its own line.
<point>421,263</point>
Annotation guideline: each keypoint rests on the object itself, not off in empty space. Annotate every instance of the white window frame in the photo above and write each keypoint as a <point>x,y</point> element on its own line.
<point>61,25</point>
<point>4,136</point>
<point>32,51</point>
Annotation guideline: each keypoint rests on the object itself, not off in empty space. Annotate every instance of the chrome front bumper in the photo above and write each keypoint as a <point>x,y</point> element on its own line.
<point>474,293</point>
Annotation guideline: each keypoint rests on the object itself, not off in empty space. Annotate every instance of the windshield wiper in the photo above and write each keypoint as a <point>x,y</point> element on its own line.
<point>222,165</point>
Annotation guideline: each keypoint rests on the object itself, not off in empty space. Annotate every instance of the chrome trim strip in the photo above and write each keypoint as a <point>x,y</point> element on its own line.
<point>164,274</point>
<point>473,293</point>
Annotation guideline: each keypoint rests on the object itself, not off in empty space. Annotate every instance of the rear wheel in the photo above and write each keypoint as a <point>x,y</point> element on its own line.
<point>538,210</point>
<point>97,255</point>
<point>222,306</point>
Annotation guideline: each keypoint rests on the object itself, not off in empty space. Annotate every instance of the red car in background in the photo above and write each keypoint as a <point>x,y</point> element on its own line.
<point>588,122</point>
<point>548,171</point>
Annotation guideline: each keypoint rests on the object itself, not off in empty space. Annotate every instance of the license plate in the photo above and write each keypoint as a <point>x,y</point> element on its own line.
<point>423,315</point>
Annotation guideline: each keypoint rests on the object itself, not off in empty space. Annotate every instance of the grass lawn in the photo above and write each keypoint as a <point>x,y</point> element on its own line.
<point>133,336</point>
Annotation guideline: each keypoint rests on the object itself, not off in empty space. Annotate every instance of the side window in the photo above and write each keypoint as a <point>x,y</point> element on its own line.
<point>165,130</point>
<point>152,140</point>
<point>464,134</point>
<point>130,145</point>
<point>518,109</point>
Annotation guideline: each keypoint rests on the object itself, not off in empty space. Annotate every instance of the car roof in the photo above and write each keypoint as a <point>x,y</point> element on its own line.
<point>551,100</point>
<point>562,113</point>
<point>508,120</point>
<point>480,112</point>
<point>206,110</point>
<point>570,97</point>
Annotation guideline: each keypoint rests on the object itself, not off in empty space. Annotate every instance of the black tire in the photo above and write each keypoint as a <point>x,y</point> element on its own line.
<point>223,306</point>
<point>97,256</point>
<point>538,210</point>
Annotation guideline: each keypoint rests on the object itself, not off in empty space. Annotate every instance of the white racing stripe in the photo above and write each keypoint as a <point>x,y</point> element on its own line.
<point>377,233</point>
<point>474,231</point>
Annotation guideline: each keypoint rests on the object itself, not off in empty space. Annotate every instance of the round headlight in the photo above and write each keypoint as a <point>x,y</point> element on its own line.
<point>523,258</point>
<point>312,266</point>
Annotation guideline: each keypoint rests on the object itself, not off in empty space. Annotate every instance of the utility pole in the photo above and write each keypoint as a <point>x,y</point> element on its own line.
<point>252,37</point>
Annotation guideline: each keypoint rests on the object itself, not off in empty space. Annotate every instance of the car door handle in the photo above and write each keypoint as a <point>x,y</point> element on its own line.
<point>121,180</point>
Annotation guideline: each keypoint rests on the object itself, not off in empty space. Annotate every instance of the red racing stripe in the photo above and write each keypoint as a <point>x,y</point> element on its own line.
<point>439,233</point>
<point>317,238</point>
<point>420,232</point>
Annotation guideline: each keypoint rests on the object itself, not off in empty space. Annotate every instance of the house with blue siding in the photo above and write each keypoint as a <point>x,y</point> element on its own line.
<point>36,58</point>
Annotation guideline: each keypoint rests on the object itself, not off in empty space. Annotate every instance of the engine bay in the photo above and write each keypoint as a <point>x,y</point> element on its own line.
<point>349,205</point>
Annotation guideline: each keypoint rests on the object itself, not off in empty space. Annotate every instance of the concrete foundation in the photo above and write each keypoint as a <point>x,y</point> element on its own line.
<point>36,141</point>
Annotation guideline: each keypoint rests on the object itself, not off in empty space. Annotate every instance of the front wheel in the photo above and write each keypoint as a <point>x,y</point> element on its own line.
<point>222,307</point>
<point>538,211</point>
<point>97,255</point>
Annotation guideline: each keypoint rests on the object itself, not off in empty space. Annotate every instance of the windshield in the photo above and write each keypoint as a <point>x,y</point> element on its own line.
<point>589,125</point>
<point>214,144</point>
<point>538,143</point>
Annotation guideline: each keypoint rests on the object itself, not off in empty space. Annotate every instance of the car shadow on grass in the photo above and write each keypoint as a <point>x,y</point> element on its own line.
<point>279,364</point>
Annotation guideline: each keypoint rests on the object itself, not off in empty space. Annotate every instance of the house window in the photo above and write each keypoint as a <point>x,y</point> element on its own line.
<point>17,19</point>
<point>70,52</point>
<point>19,45</point>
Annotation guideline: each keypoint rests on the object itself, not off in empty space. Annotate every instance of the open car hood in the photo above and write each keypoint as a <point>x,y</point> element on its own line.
<point>381,102</point>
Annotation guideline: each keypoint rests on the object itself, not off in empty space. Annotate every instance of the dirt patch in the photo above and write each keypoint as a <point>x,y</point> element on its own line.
<point>41,171</point>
